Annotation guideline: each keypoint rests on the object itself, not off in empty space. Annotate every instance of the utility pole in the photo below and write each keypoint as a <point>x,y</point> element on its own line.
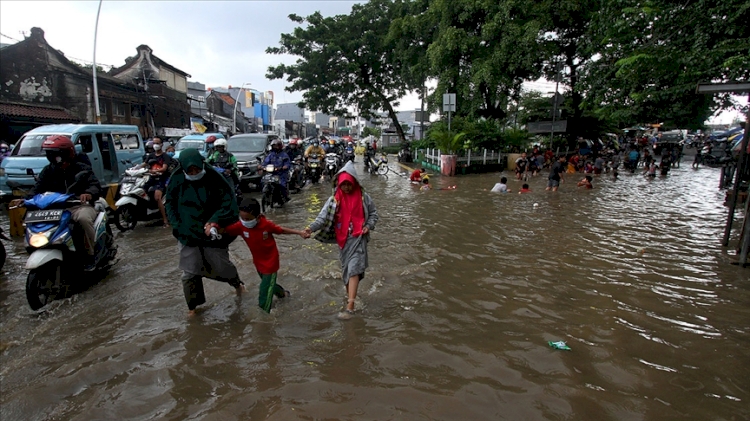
<point>421,114</point>
<point>93,69</point>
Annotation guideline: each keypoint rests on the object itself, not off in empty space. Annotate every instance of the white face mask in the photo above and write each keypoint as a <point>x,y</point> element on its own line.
<point>195,177</point>
<point>157,146</point>
<point>58,159</point>
<point>249,224</point>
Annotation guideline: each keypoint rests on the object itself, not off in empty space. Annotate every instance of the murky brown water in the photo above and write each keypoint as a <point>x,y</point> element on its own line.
<point>464,291</point>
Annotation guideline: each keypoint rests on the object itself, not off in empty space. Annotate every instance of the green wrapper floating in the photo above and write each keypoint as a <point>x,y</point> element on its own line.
<point>559,345</point>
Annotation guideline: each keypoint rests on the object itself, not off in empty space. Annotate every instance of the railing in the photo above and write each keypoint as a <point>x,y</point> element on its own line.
<point>483,157</point>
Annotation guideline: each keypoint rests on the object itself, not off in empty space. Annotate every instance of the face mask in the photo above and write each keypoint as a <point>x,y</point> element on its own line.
<point>170,153</point>
<point>195,177</point>
<point>58,159</point>
<point>249,224</point>
<point>157,147</point>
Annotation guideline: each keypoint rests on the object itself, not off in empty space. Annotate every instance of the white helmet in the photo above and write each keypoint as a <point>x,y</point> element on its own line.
<point>220,142</point>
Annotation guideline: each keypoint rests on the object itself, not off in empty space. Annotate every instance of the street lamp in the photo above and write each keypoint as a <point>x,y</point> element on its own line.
<point>96,87</point>
<point>234,115</point>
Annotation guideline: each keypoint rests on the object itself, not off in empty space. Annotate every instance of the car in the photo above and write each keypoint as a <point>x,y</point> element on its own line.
<point>110,149</point>
<point>195,141</point>
<point>247,148</point>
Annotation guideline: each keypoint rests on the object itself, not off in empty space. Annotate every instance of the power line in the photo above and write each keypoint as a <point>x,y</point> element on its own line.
<point>9,37</point>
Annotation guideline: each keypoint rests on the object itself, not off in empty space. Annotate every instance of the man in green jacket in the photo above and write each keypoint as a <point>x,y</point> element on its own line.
<point>197,200</point>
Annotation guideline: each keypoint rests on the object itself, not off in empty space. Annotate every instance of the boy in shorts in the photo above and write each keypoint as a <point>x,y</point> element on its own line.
<point>556,174</point>
<point>257,231</point>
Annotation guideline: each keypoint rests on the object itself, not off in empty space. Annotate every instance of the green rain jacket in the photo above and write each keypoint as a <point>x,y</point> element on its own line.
<point>191,205</point>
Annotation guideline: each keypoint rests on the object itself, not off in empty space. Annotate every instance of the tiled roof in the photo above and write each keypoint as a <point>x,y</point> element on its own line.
<point>225,97</point>
<point>33,111</point>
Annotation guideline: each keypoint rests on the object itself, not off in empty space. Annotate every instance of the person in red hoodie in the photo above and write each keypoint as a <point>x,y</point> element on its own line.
<point>257,231</point>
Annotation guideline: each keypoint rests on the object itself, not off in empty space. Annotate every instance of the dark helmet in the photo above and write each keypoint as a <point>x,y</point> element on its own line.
<point>59,146</point>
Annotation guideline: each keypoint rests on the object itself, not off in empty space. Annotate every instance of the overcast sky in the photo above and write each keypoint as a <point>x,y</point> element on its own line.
<point>219,43</point>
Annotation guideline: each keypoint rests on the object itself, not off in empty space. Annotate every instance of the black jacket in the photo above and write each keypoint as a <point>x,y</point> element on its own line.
<point>54,178</point>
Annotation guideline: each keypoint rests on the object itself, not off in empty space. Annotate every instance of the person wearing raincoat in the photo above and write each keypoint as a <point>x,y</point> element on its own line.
<point>347,219</point>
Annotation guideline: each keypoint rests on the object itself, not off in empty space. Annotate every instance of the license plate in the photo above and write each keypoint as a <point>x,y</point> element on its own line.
<point>50,215</point>
<point>128,179</point>
<point>313,165</point>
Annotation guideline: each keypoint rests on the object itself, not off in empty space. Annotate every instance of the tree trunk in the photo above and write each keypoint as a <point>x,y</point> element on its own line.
<point>391,113</point>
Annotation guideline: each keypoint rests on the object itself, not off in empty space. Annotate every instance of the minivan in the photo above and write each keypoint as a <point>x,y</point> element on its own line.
<point>247,148</point>
<point>195,141</point>
<point>111,148</point>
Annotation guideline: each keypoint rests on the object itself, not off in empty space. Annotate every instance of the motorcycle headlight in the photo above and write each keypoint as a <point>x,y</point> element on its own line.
<point>39,240</point>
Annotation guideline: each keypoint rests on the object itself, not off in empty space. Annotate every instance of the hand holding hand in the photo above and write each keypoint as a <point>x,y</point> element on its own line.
<point>207,228</point>
<point>308,232</point>
<point>15,203</point>
<point>84,198</point>
<point>304,234</point>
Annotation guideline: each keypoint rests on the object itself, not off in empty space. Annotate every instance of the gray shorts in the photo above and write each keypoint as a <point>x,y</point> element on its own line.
<point>208,262</point>
<point>553,183</point>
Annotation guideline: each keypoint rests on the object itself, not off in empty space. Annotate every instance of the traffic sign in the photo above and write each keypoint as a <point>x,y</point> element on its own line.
<point>449,102</point>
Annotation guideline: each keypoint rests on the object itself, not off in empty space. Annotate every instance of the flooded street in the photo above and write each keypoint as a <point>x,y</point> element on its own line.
<point>465,289</point>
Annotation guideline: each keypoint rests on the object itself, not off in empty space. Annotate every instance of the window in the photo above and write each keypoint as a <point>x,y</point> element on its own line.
<point>135,111</point>
<point>103,107</point>
<point>125,141</point>
<point>118,109</point>
<point>87,146</point>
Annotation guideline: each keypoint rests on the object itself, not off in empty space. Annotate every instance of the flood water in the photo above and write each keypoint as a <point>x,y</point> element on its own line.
<point>465,289</point>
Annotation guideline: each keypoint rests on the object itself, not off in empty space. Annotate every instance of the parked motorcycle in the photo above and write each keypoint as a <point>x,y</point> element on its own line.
<point>56,261</point>
<point>135,203</point>
<point>377,166</point>
<point>314,168</point>
<point>331,165</point>
<point>272,190</point>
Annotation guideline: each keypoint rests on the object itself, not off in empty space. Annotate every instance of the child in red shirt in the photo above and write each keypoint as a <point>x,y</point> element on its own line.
<point>257,231</point>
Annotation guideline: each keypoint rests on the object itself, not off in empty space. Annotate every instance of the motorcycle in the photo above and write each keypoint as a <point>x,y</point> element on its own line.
<point>313,168</point>
<point>349,155</point>
<point>232,182</point>
<point>56,260</point>
<point>331,165</point>
<point>135,203</point>
<point>272,190</point>
<point>379,166</point>
<point>296,182</point>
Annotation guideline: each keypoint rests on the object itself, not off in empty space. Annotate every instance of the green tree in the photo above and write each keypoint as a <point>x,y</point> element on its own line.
<point>371,131</point>
<point>654,53</point>
<point>483,51</point>
<point>346,61</point>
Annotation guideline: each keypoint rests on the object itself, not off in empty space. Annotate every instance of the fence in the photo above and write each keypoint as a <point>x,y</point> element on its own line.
<point>473,161</point>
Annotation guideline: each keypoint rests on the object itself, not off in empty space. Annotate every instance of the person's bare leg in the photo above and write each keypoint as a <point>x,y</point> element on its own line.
<point>158,196</point>
<point>351,289</point>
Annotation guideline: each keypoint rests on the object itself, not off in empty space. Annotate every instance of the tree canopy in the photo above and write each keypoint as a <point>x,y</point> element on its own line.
<point>621,62</point>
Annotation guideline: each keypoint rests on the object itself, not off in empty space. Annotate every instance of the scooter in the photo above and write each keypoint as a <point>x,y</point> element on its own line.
<point>296,182</point>
<point>313,168</point>
<point>135,203</point>
<point>379,166</point>
<point>349,155</point>
<point>272,190</point>
<point>332,165</point>
<point>232,182</point>
<point>404,154</point>
<point>56,261</point>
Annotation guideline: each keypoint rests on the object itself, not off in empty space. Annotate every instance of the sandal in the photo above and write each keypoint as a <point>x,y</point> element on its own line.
<point>346,314</point>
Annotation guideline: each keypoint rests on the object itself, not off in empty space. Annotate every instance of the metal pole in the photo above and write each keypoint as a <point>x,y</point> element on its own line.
<point>746,234</point>
<point>234,115</point>
<point>96,86</point>
<point>737,180</point>
<point>421,116</point>
<point>554,105</point>
<point>449,121</point>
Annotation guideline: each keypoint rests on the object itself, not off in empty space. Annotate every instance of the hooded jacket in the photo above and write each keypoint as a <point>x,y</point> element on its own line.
<point>324,221</point>
<point>191,205</point>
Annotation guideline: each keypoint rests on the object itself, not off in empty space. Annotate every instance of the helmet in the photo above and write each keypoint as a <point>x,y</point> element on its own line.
<point>277,142</point>
<point>331,142</point>
<point>150,144</point>
<point>293,142</point>
<point>220,142</point>
<point>58,146</point>
<point>350,143</point>
<point>316,142</point>
<point>211,139</point>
